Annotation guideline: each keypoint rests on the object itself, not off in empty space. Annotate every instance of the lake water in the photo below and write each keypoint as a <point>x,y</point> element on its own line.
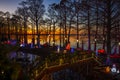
<point>73,41</point>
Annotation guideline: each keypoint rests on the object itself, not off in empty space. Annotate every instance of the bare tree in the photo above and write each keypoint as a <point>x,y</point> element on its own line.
<point>52,14</point>
<point>22,12</point>
<point>35,11</point>
<point>7,14</point>
<point>2,24</point>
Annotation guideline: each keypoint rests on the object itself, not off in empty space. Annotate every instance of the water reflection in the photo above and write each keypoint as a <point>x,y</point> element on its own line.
<point>73,41</point>
<point>66,74</point>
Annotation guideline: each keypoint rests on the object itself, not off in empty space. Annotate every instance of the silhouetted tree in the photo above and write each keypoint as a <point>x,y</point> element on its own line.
<point>36,10</point>
<point>22,12</point>
<point>7,14</point>
<point>52,14</point>
<point>1,24</point>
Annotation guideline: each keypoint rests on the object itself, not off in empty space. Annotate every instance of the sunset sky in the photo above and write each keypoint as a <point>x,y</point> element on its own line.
<point>11,5</point>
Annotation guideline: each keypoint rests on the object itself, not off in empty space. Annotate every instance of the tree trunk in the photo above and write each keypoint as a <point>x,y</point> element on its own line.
<point>69,32</point>
<point>89,41</point>
<point>50,35</point>
<point>33,34</point>
<point>53,33</point>
<point>96,33</point>
<point>25,32</point>
<point>65,30</point>
<point>60,34</point>
<point>108,27</point>
<point>104,39</point>
<point>38,34</point>
<point>77,33</point>
<point>8,28</point>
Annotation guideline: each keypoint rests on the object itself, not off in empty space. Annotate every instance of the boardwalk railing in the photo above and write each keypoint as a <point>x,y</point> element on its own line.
<point>59,60</point>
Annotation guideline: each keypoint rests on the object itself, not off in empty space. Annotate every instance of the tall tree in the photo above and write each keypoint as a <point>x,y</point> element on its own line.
<point>64,5</point>
<point>1,24</point>
<point>36,10</point>
<point>15,23</point>
<point>78,6</point>
<point>7,14</point>
<point>22,12</point>
<point>87,15</point>
<point>110,9</point>
<point>52,14</point>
